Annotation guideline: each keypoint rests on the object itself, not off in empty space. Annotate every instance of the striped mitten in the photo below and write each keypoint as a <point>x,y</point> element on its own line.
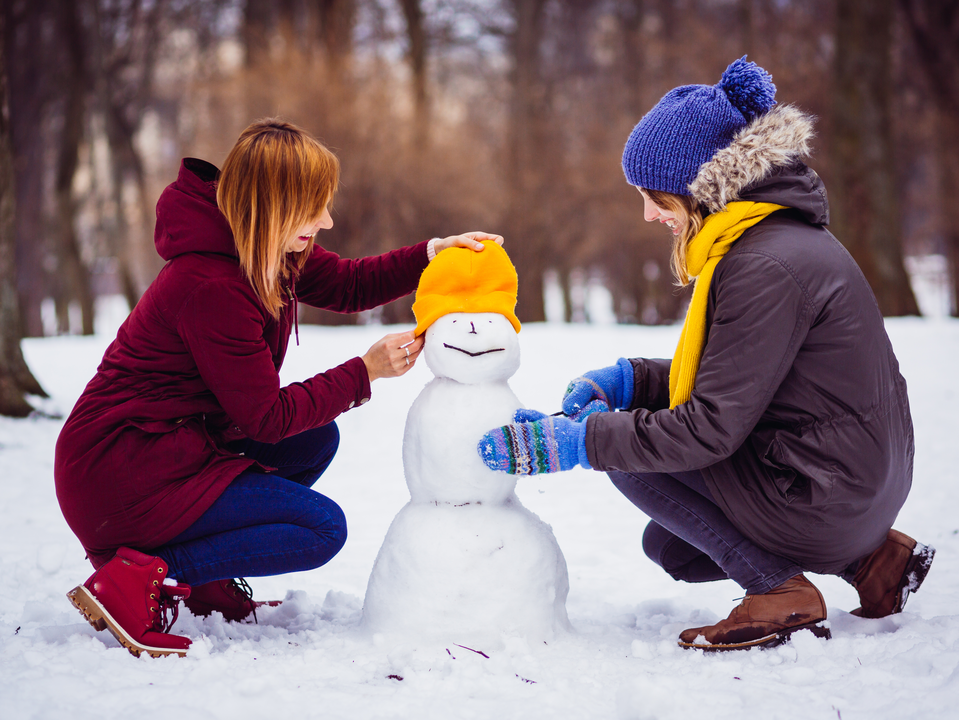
<point>548,445</point>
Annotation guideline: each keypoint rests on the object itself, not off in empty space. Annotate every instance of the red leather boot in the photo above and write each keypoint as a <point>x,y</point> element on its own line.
<point>232,598</point>
<point>127,597</point>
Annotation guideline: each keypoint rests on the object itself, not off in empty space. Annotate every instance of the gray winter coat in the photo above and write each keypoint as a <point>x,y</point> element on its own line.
<point>799,417</point>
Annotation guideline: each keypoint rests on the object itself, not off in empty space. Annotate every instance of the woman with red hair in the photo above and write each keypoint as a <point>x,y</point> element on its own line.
<point>185,464</point>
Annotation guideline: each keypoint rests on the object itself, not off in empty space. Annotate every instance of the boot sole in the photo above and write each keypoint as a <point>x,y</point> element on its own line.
<point>768,641</point>
<point>97,615</point>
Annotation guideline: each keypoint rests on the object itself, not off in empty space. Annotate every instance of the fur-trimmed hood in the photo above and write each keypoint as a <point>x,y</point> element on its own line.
<point>764,163</point>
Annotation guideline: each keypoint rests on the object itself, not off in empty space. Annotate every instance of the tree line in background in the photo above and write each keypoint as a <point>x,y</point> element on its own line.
<point>450,115</point>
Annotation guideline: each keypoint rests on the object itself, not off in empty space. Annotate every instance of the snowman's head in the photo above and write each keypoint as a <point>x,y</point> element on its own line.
<point>472,348</point>
<point>465,302</point>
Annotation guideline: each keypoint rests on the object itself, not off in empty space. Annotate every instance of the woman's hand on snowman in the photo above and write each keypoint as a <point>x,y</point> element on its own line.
<point>610,388</point>
<point>549,444</point>
<point>471,240</point>
<point>393,355</point>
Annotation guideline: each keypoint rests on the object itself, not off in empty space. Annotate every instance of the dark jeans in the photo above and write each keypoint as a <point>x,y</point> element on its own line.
<point>691,538</point>
<point>265,523</point>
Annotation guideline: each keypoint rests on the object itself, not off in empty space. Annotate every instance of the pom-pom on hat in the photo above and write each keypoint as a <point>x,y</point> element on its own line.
<point>691,123</point>
<point>466,281</point>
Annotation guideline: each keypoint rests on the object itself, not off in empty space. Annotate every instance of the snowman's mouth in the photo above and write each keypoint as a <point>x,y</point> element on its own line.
<point>473,354</point>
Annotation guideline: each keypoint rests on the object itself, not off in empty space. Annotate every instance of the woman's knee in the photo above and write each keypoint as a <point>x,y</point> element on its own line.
<point>323,443</point>
<point>330,526</point>
<point>326,439</point>
<point>655,541</point>
<point>330,442</point>
<point>331,433</point>
<point>681,560</point>
<point>336,530</point>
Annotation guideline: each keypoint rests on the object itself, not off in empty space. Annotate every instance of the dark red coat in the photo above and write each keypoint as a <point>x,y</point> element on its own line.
<point>194,366</point>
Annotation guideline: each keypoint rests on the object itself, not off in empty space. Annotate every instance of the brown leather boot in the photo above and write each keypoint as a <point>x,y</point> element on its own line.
<point>764,620</point>
<point>890,573</point>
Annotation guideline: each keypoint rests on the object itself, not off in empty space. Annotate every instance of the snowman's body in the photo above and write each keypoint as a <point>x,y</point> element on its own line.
<point>464,559</point>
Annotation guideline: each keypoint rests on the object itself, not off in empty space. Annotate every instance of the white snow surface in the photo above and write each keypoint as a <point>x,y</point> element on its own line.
<point>309,657</point>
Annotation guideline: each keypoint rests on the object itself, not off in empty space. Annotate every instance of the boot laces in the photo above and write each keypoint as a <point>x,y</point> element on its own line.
<point>241,587</point>
<point>169,609</point>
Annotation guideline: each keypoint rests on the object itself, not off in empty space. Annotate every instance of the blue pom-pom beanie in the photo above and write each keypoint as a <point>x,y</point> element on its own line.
<point>691,123</point>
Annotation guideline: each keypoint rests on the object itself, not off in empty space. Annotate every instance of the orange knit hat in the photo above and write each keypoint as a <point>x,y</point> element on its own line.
<point>463,280</point>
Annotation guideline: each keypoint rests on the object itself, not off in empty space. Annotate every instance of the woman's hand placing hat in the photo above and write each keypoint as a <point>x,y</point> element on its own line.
<point>472,240</point>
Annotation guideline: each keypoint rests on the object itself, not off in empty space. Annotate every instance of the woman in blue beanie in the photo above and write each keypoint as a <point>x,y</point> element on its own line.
<point>778,439</point>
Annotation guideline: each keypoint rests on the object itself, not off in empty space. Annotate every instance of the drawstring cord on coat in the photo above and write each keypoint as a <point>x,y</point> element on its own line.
<point>296,312</point>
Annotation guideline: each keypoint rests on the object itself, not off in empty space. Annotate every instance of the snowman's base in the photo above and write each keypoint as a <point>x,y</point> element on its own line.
<point>469,573</point>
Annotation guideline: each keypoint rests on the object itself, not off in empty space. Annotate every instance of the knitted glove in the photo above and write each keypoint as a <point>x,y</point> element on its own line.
<point>610,388</point>
<point>550,444</point>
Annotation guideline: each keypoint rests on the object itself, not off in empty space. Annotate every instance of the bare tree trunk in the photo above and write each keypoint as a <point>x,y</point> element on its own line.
<point>337,19</point>
<point>634,56</point>
<point>16,380</point>
<point>867,209</point>
<point>523,160</point>
<point>417,54</point>
<point>26,52</point>
<point>124,88</point>
<point>257,24</point>
<point>74,278</point>
<point>335,23</point>
<point>949,193</point>
<point>933,26</point>
<point>745,22</point>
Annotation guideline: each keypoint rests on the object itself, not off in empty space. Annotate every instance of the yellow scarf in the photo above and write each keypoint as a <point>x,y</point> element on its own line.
<point>717,235</point>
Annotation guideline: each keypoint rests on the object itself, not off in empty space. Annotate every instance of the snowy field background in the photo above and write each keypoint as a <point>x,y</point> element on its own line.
<point>308,658</point>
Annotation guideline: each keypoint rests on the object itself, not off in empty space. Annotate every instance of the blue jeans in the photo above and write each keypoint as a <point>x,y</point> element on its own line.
<point>265,523</point>
<point>691,538</point>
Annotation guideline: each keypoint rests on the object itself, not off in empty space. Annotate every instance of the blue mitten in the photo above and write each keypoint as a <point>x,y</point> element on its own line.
<point>548,445</point>
<point>610,388</point>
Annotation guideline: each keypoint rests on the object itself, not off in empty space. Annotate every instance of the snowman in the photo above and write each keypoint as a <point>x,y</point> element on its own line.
<point>464,561</point>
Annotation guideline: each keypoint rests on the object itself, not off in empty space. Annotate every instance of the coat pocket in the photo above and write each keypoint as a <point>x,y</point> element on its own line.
<point>158,427</point>
<point>790,484</point>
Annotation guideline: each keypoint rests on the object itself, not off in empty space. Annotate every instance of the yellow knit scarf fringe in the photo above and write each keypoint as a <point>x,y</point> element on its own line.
<point>719,232</point>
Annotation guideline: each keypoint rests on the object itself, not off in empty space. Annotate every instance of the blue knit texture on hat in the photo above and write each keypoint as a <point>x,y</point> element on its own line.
<point>691,123</point>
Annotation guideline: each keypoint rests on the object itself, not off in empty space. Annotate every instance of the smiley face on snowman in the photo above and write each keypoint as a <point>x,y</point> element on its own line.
<point>464,560</point>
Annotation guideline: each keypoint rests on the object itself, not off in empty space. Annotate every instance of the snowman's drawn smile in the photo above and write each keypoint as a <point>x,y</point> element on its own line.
<point>473,354</point>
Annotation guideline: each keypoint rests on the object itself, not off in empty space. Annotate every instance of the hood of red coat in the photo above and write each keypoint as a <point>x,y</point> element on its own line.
<point>188,219</point>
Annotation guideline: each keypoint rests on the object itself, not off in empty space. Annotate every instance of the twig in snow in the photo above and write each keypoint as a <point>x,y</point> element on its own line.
<point>478,652</point>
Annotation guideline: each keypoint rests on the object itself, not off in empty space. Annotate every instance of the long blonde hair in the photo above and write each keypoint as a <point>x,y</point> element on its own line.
<point>690,216</point>
<point>276,179</point>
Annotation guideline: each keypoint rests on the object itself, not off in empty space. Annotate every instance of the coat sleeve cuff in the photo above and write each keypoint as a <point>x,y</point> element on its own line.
<point>626,382</point>
<point>582,446</point>
<point>364,392</point>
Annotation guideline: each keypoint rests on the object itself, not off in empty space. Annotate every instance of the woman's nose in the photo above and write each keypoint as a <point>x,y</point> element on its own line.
<point>473,330</point>
<point>650,211</point>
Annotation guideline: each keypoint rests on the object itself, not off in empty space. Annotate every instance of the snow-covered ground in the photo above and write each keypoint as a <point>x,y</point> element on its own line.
<point>308,657</point>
